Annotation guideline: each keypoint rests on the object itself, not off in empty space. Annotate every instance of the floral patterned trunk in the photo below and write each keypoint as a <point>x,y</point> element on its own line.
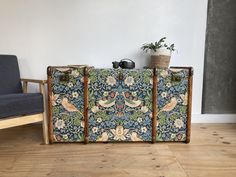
<point>120,105</point>
<point>172,104</point>
<point>66,104</point>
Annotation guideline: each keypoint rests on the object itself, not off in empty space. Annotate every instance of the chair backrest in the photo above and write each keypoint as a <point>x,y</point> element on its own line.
<point>9,75</point>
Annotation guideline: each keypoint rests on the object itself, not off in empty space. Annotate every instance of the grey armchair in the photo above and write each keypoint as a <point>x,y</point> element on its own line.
<point>17,107</point>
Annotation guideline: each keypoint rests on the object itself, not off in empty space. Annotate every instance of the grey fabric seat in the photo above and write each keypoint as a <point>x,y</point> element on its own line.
<point>20,104</point>
<point>13,102</point>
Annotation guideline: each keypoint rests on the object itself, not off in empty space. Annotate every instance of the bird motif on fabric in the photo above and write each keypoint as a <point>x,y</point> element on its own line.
<point>134,137</point>
<point>131,103</point>
<point>108,103</point>
<point>104,137</point>
<point>68,106</point>
<point>169,106</point>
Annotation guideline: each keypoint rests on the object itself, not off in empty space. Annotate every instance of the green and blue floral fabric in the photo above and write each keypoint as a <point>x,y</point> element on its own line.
<point>67,101</point>
<point>120,105</point>
<point>172,104</point>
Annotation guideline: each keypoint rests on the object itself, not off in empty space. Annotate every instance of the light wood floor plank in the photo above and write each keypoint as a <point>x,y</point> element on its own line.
<point>212,152</point>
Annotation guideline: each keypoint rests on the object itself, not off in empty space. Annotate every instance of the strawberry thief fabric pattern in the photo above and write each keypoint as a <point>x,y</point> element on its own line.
<point>120,104</point>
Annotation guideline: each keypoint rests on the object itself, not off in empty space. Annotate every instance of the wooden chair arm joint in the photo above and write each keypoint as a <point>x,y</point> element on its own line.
<point>34,81</point>
<point>26,81</point>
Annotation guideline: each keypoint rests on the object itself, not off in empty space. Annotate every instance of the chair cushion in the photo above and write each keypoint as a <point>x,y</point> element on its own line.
<point>9,75</point>
<point>20,104</point>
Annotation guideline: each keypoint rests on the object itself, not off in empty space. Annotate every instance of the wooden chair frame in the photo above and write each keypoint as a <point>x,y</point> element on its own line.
<point>28,119</point>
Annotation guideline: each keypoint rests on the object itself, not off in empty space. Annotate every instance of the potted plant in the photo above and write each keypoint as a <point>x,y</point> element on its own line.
<point>160,53</point>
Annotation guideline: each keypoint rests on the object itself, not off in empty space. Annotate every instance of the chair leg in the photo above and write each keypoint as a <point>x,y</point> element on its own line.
<point>45,128</point>
<point>45,120</point>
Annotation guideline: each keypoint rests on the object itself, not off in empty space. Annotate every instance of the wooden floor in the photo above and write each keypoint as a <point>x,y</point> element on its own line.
<point>212,152</point>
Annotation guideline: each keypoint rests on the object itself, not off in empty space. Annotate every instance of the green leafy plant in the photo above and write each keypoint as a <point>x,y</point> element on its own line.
<point>156,45</point>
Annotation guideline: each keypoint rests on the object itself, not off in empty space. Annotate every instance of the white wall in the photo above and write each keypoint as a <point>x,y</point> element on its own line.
<point>97,32</point>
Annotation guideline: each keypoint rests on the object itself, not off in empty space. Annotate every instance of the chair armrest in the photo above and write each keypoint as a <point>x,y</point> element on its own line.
<point>34,81</point>
<point>40,82</point>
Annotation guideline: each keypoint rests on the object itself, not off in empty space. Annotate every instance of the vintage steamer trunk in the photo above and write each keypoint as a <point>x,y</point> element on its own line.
<point>118,105</point>
<point>174,88</point>
<point>66,104</point>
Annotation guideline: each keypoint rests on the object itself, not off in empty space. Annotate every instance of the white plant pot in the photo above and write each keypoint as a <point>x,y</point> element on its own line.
<point>160,58</point>
<point>162,51</point>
